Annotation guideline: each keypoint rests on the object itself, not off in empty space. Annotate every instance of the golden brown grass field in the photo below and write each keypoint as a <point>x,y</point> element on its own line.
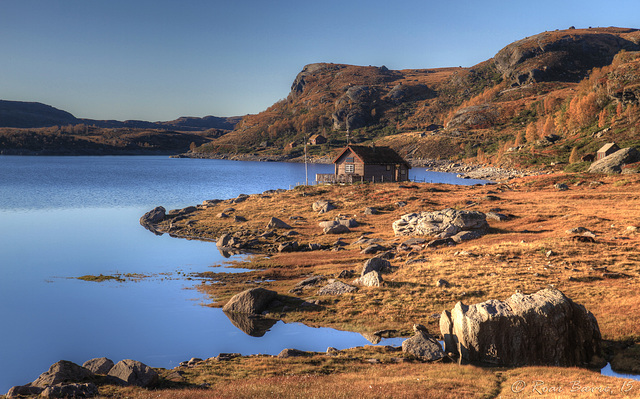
<point>529,251</point>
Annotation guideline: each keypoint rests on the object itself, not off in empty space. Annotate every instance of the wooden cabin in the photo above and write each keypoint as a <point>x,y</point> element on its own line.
<point>357,163</point>
<point>606,150</point>
<point>317,139</point>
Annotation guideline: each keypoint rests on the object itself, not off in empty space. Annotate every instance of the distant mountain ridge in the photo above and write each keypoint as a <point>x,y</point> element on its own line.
<point>19,114</point>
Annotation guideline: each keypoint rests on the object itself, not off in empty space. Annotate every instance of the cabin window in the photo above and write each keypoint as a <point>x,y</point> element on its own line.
<point>350,159</point>
<point>403,172</point>
<point>349,168</point>
<point>388,167</point>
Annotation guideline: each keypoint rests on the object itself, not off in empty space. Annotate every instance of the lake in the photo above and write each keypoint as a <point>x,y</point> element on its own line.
<point>65,217</point>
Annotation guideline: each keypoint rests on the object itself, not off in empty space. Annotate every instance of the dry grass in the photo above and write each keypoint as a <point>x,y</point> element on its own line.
<point>513,257</point>
<point>603,276</point>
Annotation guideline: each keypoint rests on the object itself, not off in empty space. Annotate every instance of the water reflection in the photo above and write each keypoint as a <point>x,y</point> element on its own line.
<point>250,324</point>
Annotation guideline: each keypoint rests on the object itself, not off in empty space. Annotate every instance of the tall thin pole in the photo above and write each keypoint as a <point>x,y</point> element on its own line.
<point>306,170</point>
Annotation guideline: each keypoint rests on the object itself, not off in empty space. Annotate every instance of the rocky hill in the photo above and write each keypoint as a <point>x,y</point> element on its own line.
<point>29,128</point>
<point>532,103</point>
<point>32,115</point>
<point>19,114</point>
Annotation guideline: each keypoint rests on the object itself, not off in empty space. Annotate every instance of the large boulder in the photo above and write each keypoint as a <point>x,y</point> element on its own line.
<point>60,372</point>
<point>252,301</point>
<point>545,328</point>
<point>133,372</point>
<point>441,224</point>
<point>613,163</point>
<point>100,365</point>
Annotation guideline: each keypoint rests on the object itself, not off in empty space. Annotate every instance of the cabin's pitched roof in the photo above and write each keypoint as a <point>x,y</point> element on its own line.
<point>374,155</point>
<point>607,147</point>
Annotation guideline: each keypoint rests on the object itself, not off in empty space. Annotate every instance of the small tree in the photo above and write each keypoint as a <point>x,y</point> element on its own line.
<point>573,158</point>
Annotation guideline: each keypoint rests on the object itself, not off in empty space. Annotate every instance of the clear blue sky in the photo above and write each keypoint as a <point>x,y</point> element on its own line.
<point>161,59</point>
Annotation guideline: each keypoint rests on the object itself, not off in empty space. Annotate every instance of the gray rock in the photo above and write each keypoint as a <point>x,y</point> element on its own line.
<point>348,222</point>
<point>224,241</point>
<point>156,215</point>
<point>253,300</point>
<point>413,241</point>
<point>100,365</point>
<point>370,211</point>
<point>310,282</point>
<point>212,202</point>
<point>60,372</point>
<point>561,187</point>
<point>545,328</point>
<point>378,264</point>
<point>423,346</point>
<point>23,390</point>
<point>445,223</point>
<point>497,216</point>
<point>336,288</point>
<point>613,163</point>
<point>581,230</point>
<point>466,236</point>
<point>346,274</point>
<point>373,249</point>
<point>339,229</point>
<point>314,246</point>
<point>87,390</point>
<point>133,372</point>
<point>285,353</point>
<point>276,223</point>
<point>222,215</point>
<point>291,246</point>
<point>239,219</point>
<point>371,279</point>
<point>440,242</point>
<point>240,198</point>
<point>322,206</point>
<point>328,224</point>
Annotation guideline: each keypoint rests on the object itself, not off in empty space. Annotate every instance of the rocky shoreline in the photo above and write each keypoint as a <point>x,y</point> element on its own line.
<point>471,171</point>
<point>463,170</point>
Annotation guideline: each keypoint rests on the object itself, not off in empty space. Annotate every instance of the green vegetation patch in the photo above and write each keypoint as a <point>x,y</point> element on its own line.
<point>100,278</point>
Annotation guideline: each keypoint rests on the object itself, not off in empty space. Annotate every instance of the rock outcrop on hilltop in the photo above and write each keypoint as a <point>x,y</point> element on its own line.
<point>562,56</point>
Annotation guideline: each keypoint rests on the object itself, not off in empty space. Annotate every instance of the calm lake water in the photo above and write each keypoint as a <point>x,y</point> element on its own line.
<point>64,217</point>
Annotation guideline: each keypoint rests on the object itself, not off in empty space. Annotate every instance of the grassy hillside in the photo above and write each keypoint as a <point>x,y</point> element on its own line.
<point>531,104</point>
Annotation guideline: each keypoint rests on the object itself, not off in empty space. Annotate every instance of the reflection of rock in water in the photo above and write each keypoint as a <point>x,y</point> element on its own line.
<point>228,252</point>
<point>373,338</point>
<point>253,325</point>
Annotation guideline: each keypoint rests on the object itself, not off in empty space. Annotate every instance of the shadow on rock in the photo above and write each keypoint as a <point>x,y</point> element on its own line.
<point>250,324</point>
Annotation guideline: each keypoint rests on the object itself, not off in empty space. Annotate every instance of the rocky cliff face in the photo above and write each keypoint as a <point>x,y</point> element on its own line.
<point>563,55</point>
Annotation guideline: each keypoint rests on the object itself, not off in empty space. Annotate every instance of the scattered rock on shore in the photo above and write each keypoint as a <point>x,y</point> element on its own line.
<point>133,372</point>
<point>253,300</point>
